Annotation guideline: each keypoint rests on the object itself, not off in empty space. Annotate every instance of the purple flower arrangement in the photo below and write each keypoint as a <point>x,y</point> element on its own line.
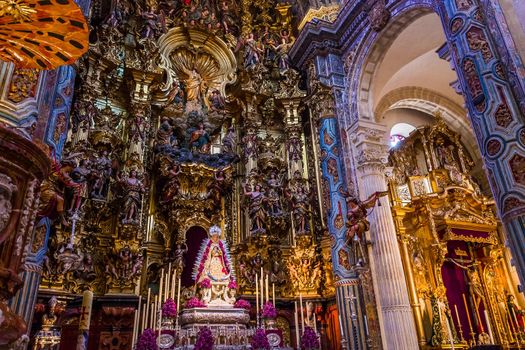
<point>169,309</point>
<point>232,284</point>
<point>260,341</point>
<point>205,283</point>
<point>309,339</point>
<point>147,340</point>
<point>194,302</point>
<point>269,311</point>
<point>204,339</point>
<point>243,304</point>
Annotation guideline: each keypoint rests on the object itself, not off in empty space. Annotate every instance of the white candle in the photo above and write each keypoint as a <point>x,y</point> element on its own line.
<point>489,327</point>
<point>145,320</point>
<point>297,327</point>
<point>315,324</point>
<point>257,295</point>
<point>168,282</point>
<point>135,320</point>
<point>161,283</point>
<point>267,290</point>
<point>302,315</point>
<point>178,302</point>
<point>173,282</point>
<point>262,288</point>
<point>136,325</point>
<point>273,293</point>
<point>166,286</point>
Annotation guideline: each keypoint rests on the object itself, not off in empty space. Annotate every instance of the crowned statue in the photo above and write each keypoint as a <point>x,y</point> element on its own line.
<point>213,272</point>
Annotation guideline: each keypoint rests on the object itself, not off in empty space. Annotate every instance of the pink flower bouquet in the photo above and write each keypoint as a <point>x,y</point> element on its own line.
<point>243,304</point>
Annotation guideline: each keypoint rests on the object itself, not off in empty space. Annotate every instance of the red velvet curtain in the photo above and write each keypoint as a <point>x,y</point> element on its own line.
<point>194,237</point>
<point>456,282</point>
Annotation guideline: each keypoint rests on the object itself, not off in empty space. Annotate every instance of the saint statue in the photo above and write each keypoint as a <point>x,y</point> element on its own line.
<point>213,271</point>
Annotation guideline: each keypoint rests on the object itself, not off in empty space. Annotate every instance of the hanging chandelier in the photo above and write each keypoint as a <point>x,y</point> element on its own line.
<point>42,34</point>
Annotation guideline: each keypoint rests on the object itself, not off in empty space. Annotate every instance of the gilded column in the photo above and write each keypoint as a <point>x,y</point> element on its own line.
<point>385,259</point>
<point>494,112</point>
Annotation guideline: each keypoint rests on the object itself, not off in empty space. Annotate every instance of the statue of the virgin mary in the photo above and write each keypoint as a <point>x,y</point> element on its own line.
<point>213,272</point>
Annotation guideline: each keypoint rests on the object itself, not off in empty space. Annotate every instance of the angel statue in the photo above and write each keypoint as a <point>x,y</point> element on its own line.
<point>357,222</point>
<point>213,272</point>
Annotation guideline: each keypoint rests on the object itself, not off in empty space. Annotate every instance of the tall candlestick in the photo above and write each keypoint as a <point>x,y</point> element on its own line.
<point>273,294</point>
<point>155,308</point>
<point>257,295</point>
<point>145,320</point>
<point>478,317</point>
<point>161,283</point>
<point>173,282</point>
<point>168,290</point>
<point>152,313</point>
<point>297,327</point>
<point>136,324</point>
<point>262,288</point>
<point>85,320</point>
<point>178,302</point>
<point>302,315</point>
<point>166,286</point>
<point>468,314</point>
<point>135,321</point>
<point>459,322</point>
<point>267,289</point>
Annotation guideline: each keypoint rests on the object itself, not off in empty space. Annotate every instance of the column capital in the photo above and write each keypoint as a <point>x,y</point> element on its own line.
<point>321,101</point>
<point>372,150</point>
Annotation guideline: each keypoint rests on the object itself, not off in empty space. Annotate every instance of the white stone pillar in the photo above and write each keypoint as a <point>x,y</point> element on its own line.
<point>397,322</point>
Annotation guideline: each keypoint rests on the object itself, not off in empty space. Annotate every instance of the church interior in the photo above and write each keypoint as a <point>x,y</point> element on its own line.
<point>262,174</point>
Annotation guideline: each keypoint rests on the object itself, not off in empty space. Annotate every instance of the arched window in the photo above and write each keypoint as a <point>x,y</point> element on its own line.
<point>399,132</point>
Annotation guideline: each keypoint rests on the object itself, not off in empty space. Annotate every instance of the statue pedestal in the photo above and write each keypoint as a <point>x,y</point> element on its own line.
<point>228,325</point>
<point>214,317</point>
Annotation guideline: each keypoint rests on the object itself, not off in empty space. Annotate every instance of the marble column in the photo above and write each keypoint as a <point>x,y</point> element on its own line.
<point>398,326</point>
<point>494,111</point>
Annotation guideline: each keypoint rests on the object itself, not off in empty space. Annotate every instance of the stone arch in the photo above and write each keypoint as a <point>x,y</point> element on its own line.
<point>374,48</point>
<point>430,102</point>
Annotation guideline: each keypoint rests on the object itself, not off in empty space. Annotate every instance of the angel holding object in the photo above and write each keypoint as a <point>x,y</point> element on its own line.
<point>357,223</point>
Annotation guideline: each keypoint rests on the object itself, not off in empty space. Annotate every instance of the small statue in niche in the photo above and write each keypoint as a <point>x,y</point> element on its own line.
<point>218,187</point>
<point>172,186</point>
<point>132,190</point>
<point>256,211</point>
<point>357,223</point>
<point>137,129</point>
<point>179,252</point>
<point>100,175</point>
<point>80,176</point>
<point>445,154</point>
<point>229,142</point>
<point>299,198</point>
<point>274,194</point>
